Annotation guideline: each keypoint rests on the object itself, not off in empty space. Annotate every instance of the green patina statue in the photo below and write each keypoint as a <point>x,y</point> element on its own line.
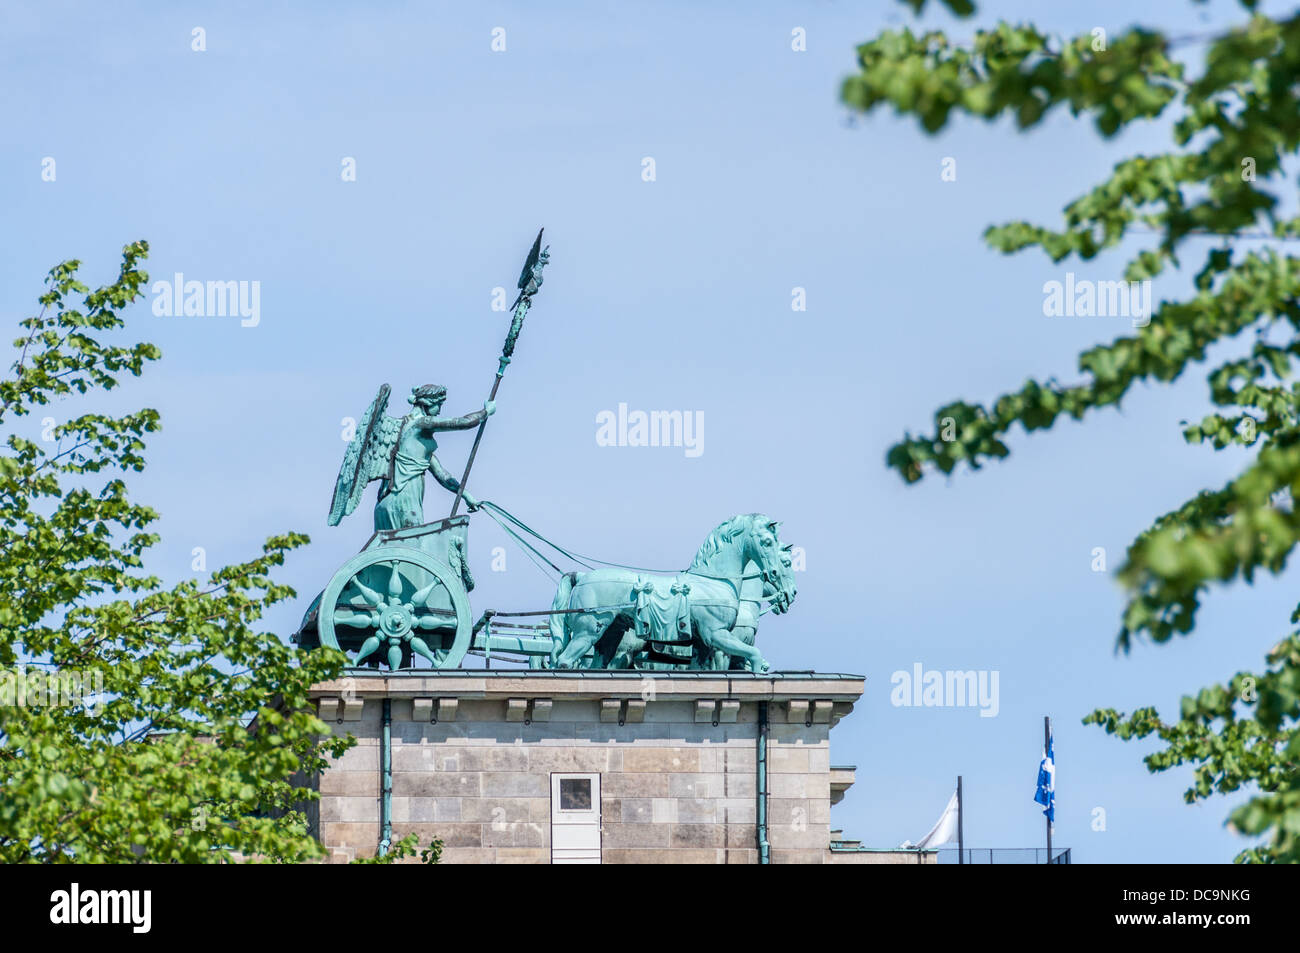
<point>703,618</point>
<point>397,451</point>
<point>405,595</point>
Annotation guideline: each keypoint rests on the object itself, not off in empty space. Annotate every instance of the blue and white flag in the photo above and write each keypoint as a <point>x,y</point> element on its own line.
<point>1046,793</point>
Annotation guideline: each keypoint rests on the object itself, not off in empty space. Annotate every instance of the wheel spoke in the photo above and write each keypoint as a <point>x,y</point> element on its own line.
<point>358,620</point>
<point>370,596</point>
<point>443,620</point>
<point>394,585</point>
<point>421,597</point>
<point>368,646</point>
<point>419,646</point>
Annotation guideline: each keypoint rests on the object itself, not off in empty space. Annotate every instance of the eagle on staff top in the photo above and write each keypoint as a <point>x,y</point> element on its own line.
<point>398,451</point>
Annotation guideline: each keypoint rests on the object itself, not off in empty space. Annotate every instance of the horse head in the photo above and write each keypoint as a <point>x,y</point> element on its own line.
<point>750,537</point>
<point>774,561</point>
<point>781,593</point>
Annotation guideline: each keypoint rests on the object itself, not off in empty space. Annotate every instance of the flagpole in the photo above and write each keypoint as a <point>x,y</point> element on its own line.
<point>961,843</point>
<point>1047,746</point>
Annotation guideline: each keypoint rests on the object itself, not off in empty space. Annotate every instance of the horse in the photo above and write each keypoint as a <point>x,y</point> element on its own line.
<point>595,610</point>
<point>754,591</point>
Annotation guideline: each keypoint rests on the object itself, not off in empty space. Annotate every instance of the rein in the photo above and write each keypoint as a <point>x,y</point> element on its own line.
<point>493,510</point>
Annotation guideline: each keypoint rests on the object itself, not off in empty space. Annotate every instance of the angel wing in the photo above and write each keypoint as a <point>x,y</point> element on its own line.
<point>367,457</point>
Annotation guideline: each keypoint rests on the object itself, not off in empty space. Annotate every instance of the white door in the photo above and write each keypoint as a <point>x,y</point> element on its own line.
<point>575,818</point>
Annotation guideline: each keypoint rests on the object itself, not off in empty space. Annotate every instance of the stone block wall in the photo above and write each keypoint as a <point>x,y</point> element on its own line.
<point>674,786</point>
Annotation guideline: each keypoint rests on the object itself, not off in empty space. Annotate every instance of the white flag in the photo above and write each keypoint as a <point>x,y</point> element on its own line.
<point>945,828</point>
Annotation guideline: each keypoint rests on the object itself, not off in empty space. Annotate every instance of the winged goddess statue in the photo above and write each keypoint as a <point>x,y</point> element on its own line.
<point>397,451</point>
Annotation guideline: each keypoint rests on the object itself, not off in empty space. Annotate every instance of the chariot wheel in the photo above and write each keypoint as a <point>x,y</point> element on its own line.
<point>393,603</point>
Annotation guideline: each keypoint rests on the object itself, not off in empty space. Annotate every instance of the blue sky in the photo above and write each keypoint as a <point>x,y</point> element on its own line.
<point>666,295</point>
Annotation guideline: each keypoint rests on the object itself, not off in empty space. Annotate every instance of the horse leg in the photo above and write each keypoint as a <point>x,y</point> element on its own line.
<point>723,639</point>
<point>558,622</point>
<point>629,645</point>
<point>628,649</point>
<point>619,644</point>
<point>746,634</point>
<point>561,635</point>
<point>584,631</point>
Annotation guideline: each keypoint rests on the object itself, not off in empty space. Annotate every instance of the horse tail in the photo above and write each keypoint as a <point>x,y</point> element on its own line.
<point>561,601</point>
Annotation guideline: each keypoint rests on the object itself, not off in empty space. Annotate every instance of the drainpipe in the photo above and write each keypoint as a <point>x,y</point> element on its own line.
<point>386,781</point>
<point>761,785</point>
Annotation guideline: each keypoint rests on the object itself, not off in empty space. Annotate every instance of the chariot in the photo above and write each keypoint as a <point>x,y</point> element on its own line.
<point>406,596</point>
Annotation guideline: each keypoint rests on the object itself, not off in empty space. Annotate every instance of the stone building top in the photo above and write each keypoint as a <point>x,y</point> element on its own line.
<point>769,686</point>
<point>623,696</point>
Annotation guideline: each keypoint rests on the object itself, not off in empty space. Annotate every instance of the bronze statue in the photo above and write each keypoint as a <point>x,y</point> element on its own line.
<point>398,451</point>
<point>405,595</point>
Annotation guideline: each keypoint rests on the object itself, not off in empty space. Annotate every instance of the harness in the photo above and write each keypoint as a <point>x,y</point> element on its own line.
<point>501,517</point>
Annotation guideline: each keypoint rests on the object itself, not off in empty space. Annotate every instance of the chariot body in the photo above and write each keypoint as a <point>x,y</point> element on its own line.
<point>405,597</point>
<point>403,601</point>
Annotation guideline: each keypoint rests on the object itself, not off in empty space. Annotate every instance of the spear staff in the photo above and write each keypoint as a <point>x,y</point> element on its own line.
<point>530,279</point>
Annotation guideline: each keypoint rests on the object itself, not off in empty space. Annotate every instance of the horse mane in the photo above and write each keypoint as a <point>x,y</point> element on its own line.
<point>725,532</point>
